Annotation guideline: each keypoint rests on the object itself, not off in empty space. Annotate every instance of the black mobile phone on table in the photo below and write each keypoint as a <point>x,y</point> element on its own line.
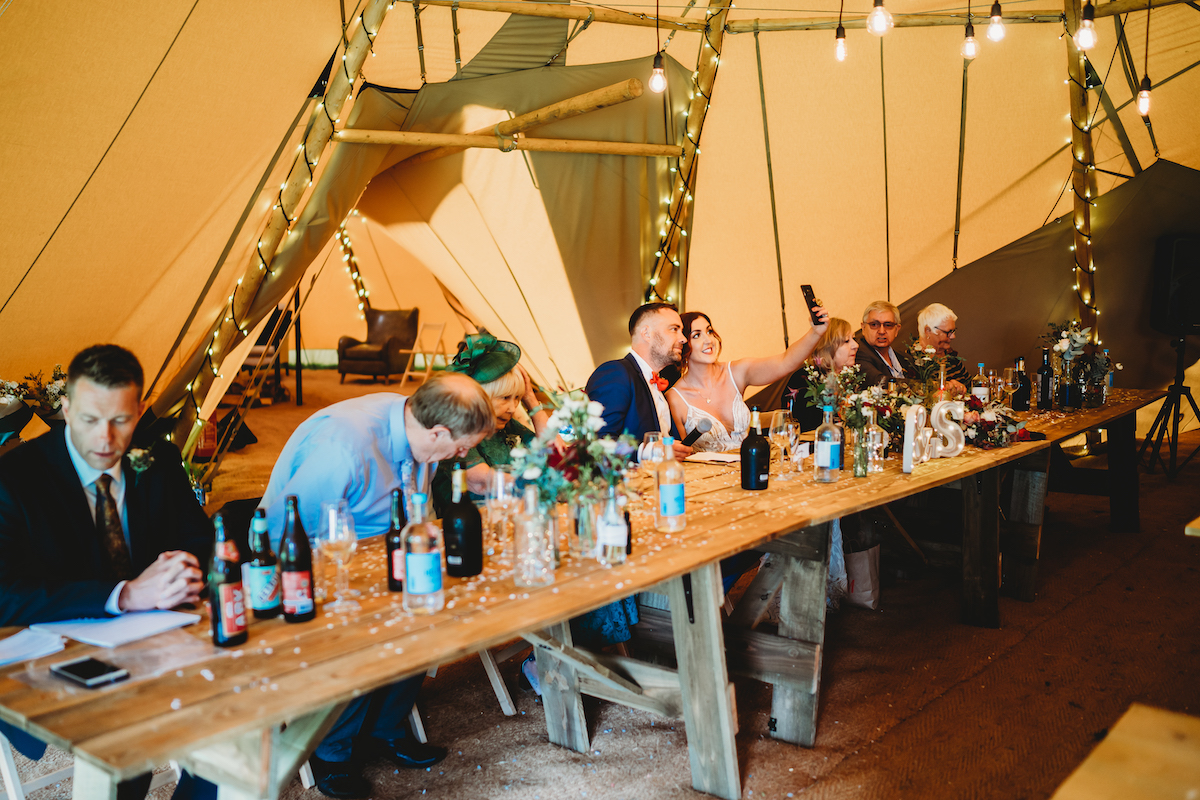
<point>89,672</point>
<point>810,300</point>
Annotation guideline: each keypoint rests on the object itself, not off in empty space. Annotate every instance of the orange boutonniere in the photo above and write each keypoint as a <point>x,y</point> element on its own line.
<point>660,382</point>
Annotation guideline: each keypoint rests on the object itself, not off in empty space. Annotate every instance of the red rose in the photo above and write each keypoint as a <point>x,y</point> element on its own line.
<point>565,462</point>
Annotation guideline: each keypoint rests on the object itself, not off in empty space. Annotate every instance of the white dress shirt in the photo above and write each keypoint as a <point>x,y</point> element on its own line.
<point>87,478</point>
<point>660,400</point>
<point>893,363</point>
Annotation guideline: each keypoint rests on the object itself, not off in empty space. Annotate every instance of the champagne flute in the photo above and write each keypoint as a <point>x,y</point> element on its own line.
<point>335,533</point>
<point>1011,384</point>
<point>779,438</point>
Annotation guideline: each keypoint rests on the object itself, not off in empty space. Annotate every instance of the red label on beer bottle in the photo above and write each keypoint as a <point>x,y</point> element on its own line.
<point>232,608</point>
<point>297,593</point>
<point>398,564</point>
<point>227,551</point>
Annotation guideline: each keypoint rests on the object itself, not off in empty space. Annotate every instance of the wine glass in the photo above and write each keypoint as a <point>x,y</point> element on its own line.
<point>782,440</point>
<point>501,497</point>
<point>1011,384</point>
<point>652,449</point>
<point>337,540</point>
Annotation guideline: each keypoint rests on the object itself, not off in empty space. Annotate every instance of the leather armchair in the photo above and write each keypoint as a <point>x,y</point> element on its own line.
<point>391,334</point>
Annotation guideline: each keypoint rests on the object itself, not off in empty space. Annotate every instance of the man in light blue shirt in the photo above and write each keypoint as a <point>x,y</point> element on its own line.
<point>359,450</point>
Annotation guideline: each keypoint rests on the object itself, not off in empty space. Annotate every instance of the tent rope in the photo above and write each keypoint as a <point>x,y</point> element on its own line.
<point>580,27</point>
<point>962,148</point>
<point>420,40</point>
<point>887,208</point>
<point>762,94</point>
<point>691,4</point>
<point>454,27</point>
<point>103,156</point>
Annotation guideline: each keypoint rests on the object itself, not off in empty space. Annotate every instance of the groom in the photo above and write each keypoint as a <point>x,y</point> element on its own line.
<point>630,389</point>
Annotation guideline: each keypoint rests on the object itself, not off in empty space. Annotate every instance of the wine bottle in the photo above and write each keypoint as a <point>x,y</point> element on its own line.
<point>1045,382</point>
<point>1022,396</point>
<point>422,562</point>
<point>295,562</point>
<point>669,513</point>
<point>395,543</point>
<point>462,530</point>
<point>261,572</point>
<point>226,597</point>
<point>827,456</point>
<point>756,456</point>
<point>980,386</point>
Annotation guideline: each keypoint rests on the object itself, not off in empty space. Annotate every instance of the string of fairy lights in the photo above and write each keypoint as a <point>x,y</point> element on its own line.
<point>350,263</point>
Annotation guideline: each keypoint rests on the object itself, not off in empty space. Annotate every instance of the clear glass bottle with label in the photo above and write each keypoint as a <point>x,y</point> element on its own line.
<point>669,512</point>
<point>612,532</point>
<point>827,455</point>
<point>423,592</point>
<point>980,386</point>
<point>533,546</point>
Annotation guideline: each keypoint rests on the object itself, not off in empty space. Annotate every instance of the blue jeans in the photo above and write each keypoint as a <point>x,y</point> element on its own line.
<point>382,714</point>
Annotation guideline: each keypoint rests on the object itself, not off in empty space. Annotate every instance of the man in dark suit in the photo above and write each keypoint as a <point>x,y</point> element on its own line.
<point>85,531</point>
<point>879,361</point>
<point>631,388</point>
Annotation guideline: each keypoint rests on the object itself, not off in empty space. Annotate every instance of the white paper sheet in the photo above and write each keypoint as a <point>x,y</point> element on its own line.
<point>27,644</point>
<point>116,631</point>
<point>714,458</point>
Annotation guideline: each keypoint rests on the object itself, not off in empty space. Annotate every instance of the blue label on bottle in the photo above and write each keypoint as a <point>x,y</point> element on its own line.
<point>423,573</point>
<point>670,500</point>
<point>262,585</point>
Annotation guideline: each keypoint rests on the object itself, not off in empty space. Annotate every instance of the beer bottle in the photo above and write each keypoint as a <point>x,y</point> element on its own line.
<point>226,599</point>
<point>295,561</point>
<point>261,572</point>
<point>395,543</point>
<point>462,530</point>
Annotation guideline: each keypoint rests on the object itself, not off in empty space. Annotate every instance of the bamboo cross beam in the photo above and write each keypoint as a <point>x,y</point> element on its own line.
<point>564,109</point>
<point>571,11</point>
<point>463,140</point>
<point>230,327</point>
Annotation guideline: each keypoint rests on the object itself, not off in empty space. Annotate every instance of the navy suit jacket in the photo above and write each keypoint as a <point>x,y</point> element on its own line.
<point>628,405</point>
<point>52,562</point>
<point>874,368</point>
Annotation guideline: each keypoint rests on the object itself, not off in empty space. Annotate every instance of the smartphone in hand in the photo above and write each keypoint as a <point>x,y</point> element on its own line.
<point>810,300</point>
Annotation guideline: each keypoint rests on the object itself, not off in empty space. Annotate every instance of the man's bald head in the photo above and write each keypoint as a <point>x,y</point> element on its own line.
<point>456,402</point>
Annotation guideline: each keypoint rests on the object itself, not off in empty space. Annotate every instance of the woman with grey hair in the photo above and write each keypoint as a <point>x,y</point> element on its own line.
<point>937,326</point>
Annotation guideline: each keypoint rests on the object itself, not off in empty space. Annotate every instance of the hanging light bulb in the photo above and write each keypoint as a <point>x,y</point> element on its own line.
<point>879,21</point>
<point>970,47</point>
<point>840,47</point>
<point>658,79</point>
<point>996,29</point>
<point>1143,99</point>
<point>1085,37</point>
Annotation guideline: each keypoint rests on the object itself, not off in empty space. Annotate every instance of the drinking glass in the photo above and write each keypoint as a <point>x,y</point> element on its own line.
<point>781,438</point>
<point>652,449</point>
<point>501,498</point>
<point>337,540</point>
<point>1011,384</point>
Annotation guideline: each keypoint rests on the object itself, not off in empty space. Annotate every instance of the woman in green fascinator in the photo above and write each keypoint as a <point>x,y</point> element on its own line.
<point>494,364</point>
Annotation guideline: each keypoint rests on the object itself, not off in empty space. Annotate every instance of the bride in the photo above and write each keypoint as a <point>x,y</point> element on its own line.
<point>711,389</point>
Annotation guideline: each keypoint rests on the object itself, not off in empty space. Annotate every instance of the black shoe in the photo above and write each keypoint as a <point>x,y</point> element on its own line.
<point>342,780</point>
<point>408,752</point>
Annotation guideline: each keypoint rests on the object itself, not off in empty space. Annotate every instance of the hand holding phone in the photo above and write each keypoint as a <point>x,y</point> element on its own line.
<point>89,672</point>
<point>811,302</point>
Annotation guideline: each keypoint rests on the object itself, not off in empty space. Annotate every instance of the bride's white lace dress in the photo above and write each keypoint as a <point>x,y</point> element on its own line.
<point>718,437</point>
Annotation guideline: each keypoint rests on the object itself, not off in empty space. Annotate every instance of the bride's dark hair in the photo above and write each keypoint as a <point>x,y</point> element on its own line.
<point>688,318</point>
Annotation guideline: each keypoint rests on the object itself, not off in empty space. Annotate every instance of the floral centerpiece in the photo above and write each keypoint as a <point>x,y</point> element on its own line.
<point>829,388</point>
<point>928,365</point>
<point>1085,367</point>
<point>569,462</point>
<point>991,425</point>
<point>42,395</point>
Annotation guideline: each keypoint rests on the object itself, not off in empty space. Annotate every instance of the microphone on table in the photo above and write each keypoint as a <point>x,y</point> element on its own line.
<point>702,427</point>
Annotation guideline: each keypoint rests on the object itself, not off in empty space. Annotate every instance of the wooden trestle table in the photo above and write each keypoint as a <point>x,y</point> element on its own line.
<point>248,718</point>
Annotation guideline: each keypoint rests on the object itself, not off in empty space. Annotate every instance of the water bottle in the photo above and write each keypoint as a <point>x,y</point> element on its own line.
<point>827,459</point>
<point>669,511</point>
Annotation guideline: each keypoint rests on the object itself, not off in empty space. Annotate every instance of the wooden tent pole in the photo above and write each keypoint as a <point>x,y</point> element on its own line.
<point>564,109</point>
<point>1083,177</point>
<point>674,252</point>
<point>463,140</point>
<point>231,326</point>
<point>582,12</point>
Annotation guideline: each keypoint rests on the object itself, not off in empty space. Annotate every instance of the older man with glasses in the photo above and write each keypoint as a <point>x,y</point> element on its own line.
<point>876,358</point>
<point>938,326</point>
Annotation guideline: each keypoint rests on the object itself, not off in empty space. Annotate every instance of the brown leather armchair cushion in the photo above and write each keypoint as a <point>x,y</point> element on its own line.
<point>391,334</point>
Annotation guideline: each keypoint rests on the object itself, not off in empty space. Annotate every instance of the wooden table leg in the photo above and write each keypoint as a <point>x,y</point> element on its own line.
<point>1021,533</point>
<point>709,710</point>
<point>801,616</point>
<point>561,698</point>
<point>92,782</point>
<point>981,549</point>
<point>1123,475</point>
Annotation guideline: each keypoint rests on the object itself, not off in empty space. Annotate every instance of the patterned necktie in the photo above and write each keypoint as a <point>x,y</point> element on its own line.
<point>108,525</point>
